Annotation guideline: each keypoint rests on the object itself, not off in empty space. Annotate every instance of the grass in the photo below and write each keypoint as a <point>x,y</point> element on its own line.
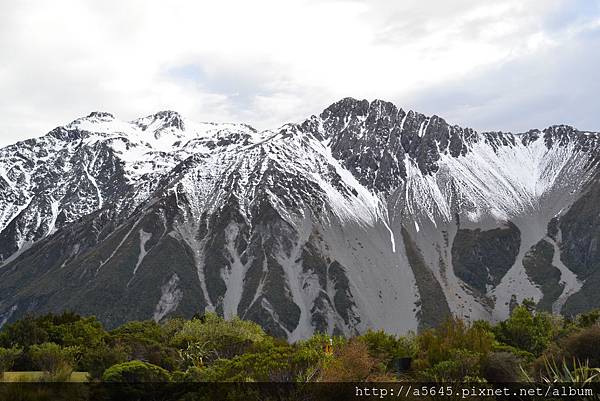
<point>78,377</point>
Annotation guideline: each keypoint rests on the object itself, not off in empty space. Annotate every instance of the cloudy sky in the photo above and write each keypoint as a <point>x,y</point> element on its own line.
<point>490,65</point>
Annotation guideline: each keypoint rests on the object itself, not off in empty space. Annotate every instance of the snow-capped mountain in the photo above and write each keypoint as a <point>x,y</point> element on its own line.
<point>366,216</point>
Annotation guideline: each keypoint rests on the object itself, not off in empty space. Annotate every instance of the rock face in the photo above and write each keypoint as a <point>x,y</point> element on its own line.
<point>366,216</point>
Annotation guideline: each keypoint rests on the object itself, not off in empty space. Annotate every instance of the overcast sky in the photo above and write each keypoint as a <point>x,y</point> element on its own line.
<point>490,65</point>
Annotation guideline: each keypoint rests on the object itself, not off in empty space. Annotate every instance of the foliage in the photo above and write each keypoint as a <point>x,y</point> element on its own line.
<point>56,361</point>
<point>437,345</point>
<point>527,330</point>
<point>8,356</point>
<point>453,351</point>
<point>136,372</point>
<point>351,363</point>
<point>463,364</point>
<point>146,341</point>
<point>196,353</point>
<point>219,338</point>
<point>385,347</point>
<point>529,345</point>
<point>67,329</point>
<point>588,319</point>
<point>580,345</point>
<point>274,364</point>
<point>96,360</point>
<point>501,366</point>
<point>583,345</point>
<point>24,332</point>
<point>568,372</point>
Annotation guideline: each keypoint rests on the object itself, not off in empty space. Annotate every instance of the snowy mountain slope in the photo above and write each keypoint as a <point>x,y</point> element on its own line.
<point>93,162</point>
<point>364,216</point>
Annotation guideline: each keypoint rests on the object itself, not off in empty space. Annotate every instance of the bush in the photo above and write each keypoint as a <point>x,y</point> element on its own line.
<point>56,361</point>
<point>453,351</point>
<point>24,333</point>
<point>352,363</point>
<point>440,344</point>
<point>589,318</point>
<point>581,346</point>
<point>146,341</point>
<point>584,346</point>
<point>218,337</point>
<point>271,365</point>
<point>499,367</point>
<point>135,372</point>
<point>385,347</point>
<point>95,361</point>
<point>526,330</point>
<point>8,356</point>
<point>462,365</point>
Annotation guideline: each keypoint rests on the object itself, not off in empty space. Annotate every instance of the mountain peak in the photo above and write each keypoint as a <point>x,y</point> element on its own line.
<point>162,119</point>
<point>101,115</point>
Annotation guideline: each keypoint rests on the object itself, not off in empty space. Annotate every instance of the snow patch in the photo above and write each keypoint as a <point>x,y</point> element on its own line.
<point>169,300</point>
<point>144,238</point>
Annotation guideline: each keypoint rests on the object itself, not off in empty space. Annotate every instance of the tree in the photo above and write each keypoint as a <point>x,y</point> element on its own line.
<point>82,332</point>
<point>24,332</point>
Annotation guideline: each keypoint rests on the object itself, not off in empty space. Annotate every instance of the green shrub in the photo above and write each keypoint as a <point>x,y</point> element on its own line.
<point>385,347</point>
<point>220,338</point>
<point>8,356</point>
<point>146,341</point>
<point>440,344</point>
<point>57,362</point>
<point>463,365</point>
<point>272,365</point>
<point>588,319</point>
<point>135,372</point>
<point>584,346</point>
<point>581,346</point>
<point>23,333</point>
<point>527,330</point>
<point>96,360</point>
<point>572,371</point>
<point>503,366</point>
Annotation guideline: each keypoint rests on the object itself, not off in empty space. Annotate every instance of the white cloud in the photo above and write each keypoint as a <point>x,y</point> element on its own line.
<point>262,62</point>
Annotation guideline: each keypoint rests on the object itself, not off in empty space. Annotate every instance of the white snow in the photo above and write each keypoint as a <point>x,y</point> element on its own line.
<point>54,206</point>
<point>234,275</point>
<point>170,298</point>
<point>513,180</point>
<point>92,180</point>
<point>144,237</point>
<point>114,252</point>
<point>570,280</point>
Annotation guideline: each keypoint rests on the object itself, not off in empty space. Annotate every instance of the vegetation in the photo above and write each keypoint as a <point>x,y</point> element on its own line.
<point>530,345</point>
<point>135,372</point>
<point>8,356</point>
<point>56,361</point>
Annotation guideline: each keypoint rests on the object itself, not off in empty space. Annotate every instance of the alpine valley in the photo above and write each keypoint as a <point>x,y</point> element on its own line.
<point>366,216</point>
